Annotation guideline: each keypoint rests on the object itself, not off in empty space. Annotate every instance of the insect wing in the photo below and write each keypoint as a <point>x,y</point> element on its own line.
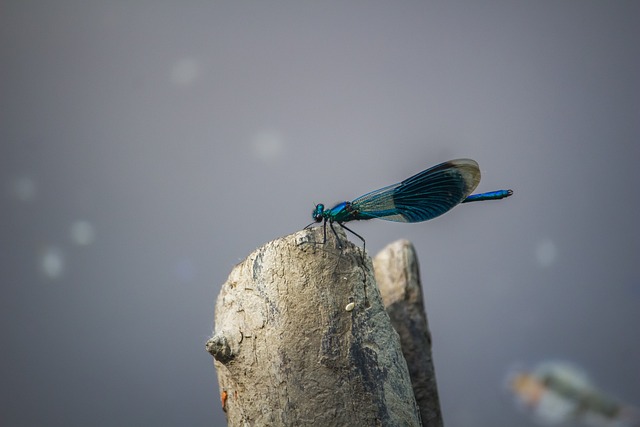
<point>423,196</point>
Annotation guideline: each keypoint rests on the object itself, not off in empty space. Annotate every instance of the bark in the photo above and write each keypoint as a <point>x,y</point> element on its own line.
<point>302,338</point>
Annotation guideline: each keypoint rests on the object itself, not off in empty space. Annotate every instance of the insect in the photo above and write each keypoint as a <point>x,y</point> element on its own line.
<point>421,197</point>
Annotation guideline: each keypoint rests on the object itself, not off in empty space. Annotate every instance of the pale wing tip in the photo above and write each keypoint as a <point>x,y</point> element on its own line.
<point>470,171</point>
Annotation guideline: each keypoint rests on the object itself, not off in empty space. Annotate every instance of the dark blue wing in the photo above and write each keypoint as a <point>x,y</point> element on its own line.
<point>423,196</point>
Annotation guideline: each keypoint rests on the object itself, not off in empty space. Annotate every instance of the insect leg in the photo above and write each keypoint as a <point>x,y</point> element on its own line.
<point>364,243</point>
<point>335,233</point>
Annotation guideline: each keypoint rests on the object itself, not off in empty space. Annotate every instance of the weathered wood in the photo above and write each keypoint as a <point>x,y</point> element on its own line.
<point>398,276</point>
<point>302,338</point>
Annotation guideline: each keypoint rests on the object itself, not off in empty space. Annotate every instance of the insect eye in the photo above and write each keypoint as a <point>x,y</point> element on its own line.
<point>317,212</point>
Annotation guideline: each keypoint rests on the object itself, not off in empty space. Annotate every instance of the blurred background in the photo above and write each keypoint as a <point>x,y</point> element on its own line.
<point>146,147</point>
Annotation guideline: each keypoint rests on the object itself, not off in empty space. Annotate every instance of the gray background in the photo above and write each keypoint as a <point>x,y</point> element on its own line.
<point>183,135</point>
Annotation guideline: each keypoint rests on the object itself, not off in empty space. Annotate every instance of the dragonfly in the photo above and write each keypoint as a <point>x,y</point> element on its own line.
<point>424,196</point>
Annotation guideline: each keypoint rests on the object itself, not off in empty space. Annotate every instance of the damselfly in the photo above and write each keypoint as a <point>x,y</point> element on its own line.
<point>424,196</point>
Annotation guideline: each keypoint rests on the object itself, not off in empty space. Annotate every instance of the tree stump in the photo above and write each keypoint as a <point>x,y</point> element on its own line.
<point>302,338</point>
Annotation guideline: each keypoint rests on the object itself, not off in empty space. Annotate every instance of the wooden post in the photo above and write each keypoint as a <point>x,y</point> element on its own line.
<point>398,276</point>
<point>302,338</point>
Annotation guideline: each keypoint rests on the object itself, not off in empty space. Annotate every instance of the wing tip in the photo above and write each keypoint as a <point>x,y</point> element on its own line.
<point>470,171</point>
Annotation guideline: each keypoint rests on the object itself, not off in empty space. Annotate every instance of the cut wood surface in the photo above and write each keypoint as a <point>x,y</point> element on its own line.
<point>302,338</point>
